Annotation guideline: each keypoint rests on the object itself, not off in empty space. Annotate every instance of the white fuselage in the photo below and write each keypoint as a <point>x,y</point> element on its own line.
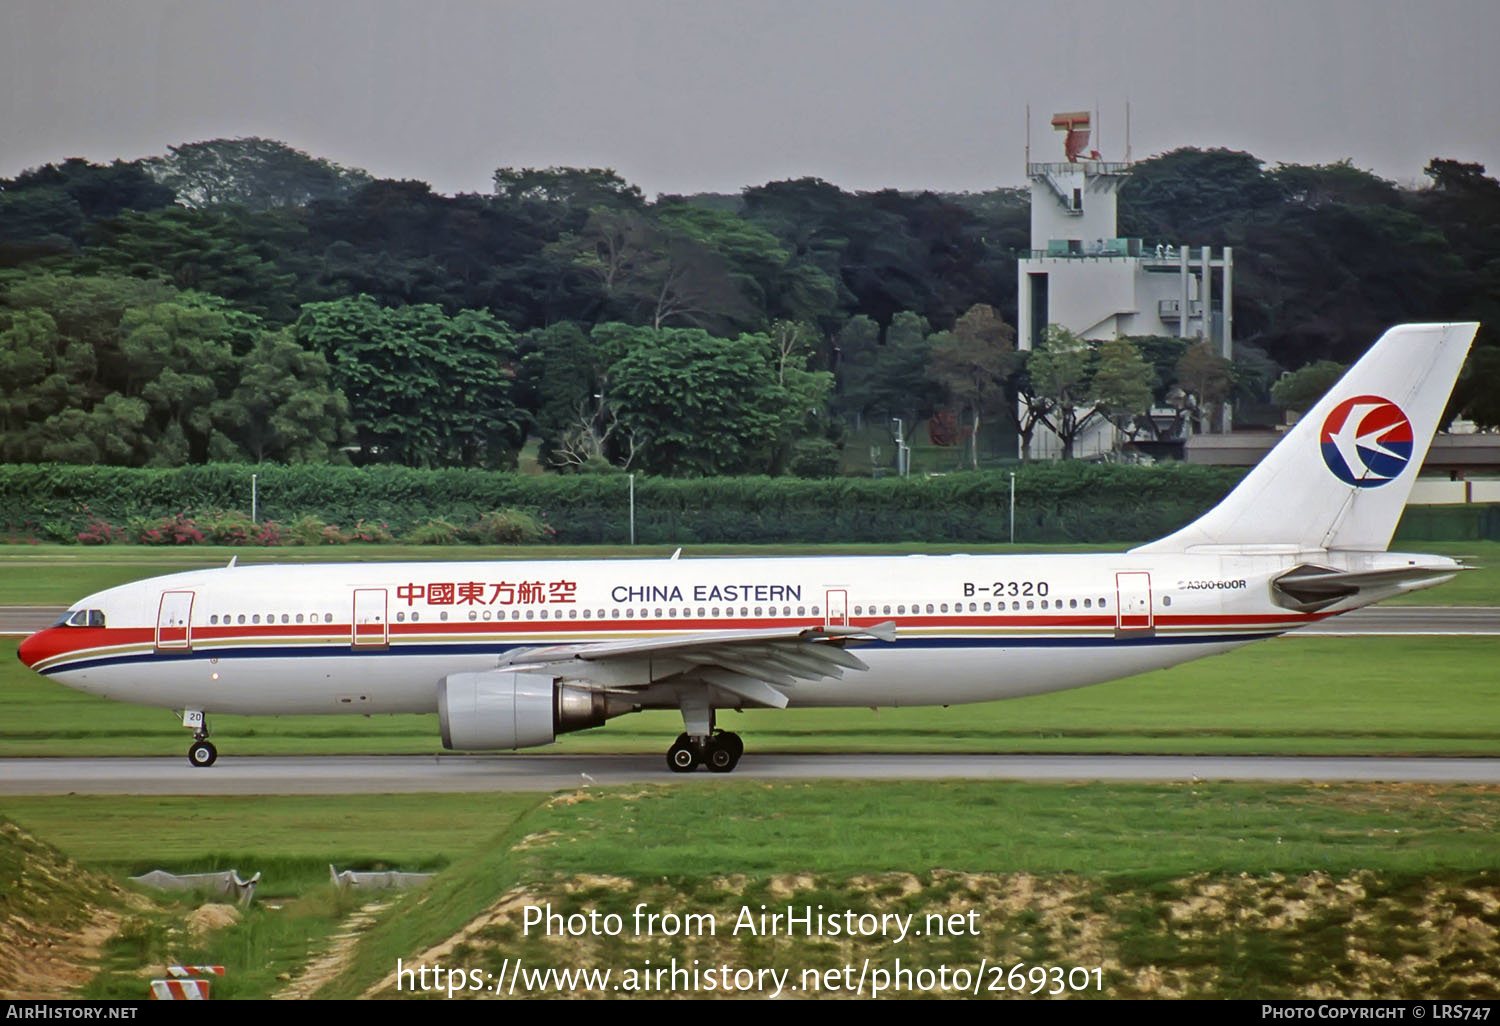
<point>378,638</point>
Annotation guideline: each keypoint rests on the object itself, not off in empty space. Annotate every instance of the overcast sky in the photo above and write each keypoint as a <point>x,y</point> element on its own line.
<point>714,95</point>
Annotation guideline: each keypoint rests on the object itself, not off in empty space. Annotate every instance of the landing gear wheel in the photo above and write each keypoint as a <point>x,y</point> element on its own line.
<point>681,757</point>
<point>724,752</point>
<point>202,753</point>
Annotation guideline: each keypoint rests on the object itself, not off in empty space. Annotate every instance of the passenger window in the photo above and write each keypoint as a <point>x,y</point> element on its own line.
<point>328,618</point>
<point>1088,603</point>
<point>400,617</point>
<point>473,615</point>
<point>1030,604</point>
<point>255,618</point>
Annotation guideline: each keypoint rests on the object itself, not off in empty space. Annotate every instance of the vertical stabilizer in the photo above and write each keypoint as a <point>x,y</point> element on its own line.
<point>1341,477</point>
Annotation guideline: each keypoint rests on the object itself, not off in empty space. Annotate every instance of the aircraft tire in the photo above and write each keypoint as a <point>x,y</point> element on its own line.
<point>202,753</point>
<point>681,758</point>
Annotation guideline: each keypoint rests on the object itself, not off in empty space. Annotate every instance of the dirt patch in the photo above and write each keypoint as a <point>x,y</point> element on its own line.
<point>1313,935</point>
<point>55,918</point>
<point>335,959</point>
<point>207,918</point>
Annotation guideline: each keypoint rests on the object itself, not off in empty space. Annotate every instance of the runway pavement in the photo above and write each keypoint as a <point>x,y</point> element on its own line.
<point>1375,620</point>
<point>235,775</point>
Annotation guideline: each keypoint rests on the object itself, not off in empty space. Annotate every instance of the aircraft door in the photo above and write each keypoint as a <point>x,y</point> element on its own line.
<point>174,621</point>
<point>1133,601</point>
<point>370,627</point>
<point>837,608</point>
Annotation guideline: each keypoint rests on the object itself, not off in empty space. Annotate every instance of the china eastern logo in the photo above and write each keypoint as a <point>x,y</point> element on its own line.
<point>1366,441</point>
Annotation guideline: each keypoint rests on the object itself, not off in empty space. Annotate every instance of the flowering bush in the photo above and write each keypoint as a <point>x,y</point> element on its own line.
<point>175,530</point>
<point>99,531</point>
<point>364,531</point>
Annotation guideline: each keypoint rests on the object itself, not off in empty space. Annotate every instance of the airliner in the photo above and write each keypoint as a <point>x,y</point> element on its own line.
<point>511,654</point>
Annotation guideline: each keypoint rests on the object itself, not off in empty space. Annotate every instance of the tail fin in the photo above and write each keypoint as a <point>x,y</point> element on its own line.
<point>1340,478</point>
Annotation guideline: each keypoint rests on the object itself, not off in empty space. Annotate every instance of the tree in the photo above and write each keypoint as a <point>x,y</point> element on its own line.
<point>252,172</point>
<point>1302,388</point>
<point>425,389</point>
<point>1059,369</point>
<point>699,406</point>
<point>581,189</point>
<point>284,407</point>
<point>1121,384</point>
<point>1207,379</point>
<point>659,276</point>
<point>204,250</point>
<point>972,365</point>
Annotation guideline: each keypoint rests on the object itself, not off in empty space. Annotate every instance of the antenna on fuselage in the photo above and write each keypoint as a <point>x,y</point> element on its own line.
<point>232,561</point>
<point>676,554</point>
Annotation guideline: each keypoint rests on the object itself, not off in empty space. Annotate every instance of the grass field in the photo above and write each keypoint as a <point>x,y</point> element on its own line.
<point>1222,890</point>
<point>62,574</point>
<point>1326,696</point>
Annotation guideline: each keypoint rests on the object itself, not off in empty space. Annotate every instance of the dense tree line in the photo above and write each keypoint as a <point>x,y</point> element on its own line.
<point>240,300</point>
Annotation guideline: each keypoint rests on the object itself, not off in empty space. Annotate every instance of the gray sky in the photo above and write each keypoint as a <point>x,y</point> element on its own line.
<point>713,95</point>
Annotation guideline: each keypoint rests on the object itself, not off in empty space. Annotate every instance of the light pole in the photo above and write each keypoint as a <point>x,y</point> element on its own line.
<point>1012,507</point>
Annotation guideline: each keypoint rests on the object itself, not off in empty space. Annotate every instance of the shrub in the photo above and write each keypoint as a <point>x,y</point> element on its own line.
<point>99,531</point>
<point>180,529</point>
<point>228,527</point>
<point>508,527</point>
<point>364,531</point>
<point>434,532</point>
<point>310,530</point>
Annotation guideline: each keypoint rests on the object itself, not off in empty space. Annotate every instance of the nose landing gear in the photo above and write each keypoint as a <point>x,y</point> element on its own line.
<point>202,751</point>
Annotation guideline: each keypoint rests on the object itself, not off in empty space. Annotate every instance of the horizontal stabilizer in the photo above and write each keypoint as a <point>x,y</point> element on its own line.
<point>1309,587</point>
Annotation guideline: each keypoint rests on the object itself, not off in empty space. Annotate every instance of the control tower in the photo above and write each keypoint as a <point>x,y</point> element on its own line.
<point>1081,274</point>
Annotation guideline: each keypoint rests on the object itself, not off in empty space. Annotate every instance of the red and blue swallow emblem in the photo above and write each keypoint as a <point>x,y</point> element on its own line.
<point>1366,441</point>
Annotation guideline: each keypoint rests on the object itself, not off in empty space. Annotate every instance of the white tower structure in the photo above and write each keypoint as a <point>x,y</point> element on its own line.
<point>1082,275</point>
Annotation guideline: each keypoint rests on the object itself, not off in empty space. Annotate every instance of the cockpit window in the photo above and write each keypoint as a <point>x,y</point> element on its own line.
<point>82,618</point>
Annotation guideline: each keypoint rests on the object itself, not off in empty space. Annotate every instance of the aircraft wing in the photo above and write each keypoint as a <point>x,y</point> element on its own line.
<point>751,664</point>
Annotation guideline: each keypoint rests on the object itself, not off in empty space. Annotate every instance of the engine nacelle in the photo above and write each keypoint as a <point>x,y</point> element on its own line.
<point>512,709</point>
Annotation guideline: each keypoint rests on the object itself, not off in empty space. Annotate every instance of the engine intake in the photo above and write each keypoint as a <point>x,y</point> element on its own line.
<point>511,709</point>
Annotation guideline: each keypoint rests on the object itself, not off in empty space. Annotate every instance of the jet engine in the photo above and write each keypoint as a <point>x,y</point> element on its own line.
<point>515,709</point>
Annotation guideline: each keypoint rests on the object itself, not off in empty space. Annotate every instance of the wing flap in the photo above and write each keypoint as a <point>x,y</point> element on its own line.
<point>748,663</point>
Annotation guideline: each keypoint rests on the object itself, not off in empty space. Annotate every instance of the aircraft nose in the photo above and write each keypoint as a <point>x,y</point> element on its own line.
<point>31,651</point>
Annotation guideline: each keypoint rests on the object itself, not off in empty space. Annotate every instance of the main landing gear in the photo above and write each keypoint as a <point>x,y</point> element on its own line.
<point>719,751</point>
<point>202,751</point>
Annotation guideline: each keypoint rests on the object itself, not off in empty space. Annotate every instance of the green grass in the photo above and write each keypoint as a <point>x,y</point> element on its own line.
<point>62,574</point>
<point>1183,883</point>
<point>1318,696</point>
<point>289,840</point>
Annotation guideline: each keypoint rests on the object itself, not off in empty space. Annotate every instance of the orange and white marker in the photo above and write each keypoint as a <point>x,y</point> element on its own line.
<point>184,971</point>
<point>179,990</point>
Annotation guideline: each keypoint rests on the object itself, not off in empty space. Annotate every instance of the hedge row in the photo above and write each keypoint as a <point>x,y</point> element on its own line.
<point>1055,502</point>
